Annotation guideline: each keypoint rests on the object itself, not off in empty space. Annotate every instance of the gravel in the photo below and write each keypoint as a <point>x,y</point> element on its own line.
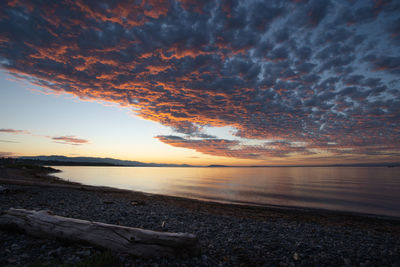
<point>226,240</point>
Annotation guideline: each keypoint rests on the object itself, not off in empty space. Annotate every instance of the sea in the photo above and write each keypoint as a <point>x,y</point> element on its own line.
<point>371,190</point>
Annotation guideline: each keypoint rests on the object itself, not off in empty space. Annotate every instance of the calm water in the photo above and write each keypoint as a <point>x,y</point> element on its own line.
<point>373,190</point>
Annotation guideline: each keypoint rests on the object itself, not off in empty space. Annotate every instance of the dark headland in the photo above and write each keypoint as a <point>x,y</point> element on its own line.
<point>229,235</point>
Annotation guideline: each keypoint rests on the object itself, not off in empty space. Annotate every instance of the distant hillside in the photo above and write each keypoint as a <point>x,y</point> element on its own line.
<point>93,161</point>
<point>217,166</point>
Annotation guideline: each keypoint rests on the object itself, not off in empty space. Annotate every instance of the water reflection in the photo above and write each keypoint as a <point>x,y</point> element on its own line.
<point>359,189</point>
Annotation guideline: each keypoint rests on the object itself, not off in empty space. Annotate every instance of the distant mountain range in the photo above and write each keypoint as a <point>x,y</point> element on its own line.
<point>93,161</point>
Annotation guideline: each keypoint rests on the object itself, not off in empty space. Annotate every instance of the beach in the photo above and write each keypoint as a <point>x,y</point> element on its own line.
<point>229,235</point>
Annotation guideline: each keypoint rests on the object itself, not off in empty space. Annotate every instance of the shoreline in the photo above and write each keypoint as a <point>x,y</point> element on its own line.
<point>217,207</point>
<point>60,183</point>
<point>229,234</point>
<point>250,205</point>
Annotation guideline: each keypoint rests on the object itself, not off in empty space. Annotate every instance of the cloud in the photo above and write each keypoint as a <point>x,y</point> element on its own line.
<point>235,149</point>
<point>66,139</point>
<point>69,139</point>
<point>13,131</point>
<point>300,71</point>
<point>6,154</point>
<point>8,141</point>
<point>391,64</point>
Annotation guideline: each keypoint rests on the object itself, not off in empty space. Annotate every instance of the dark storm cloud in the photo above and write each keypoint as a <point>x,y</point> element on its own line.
<point>315,72</point>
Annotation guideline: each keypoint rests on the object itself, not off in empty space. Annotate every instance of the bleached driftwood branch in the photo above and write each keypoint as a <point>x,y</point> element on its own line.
<point>134,241</point>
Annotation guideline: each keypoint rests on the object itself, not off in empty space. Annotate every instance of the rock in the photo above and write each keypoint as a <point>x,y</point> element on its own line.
<point>72,259</point>
<point>11,260</point>
<point>54,252</point>
<point>296,256</point>
<point>3,190</point>
<point>137,203</point>
<point>243,241</point>
<point>84,253</point>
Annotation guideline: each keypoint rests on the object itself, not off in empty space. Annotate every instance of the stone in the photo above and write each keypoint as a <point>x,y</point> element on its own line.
<point>3,190</point>
<point>296,256</point>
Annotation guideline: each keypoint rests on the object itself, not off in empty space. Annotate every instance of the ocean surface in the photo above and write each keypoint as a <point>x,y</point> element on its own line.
<point>374,190</point>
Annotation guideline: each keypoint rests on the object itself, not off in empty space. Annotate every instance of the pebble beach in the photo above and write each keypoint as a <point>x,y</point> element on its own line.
<point>229,235</point>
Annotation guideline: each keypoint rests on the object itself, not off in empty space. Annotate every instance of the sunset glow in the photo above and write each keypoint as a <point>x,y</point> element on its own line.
<point>202,82</point>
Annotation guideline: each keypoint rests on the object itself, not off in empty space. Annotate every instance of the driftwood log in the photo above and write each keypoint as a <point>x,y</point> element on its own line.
<point>134,241</point>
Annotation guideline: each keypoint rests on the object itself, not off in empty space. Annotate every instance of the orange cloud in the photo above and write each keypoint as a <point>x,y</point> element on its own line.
<point>234,149</point>
<point>196,64</point>
<point>70,139</point>
<point>66,139</point>
<point>13,131</point>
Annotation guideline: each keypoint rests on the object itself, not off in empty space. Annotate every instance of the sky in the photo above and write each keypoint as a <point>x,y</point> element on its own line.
<point>202,82</point>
